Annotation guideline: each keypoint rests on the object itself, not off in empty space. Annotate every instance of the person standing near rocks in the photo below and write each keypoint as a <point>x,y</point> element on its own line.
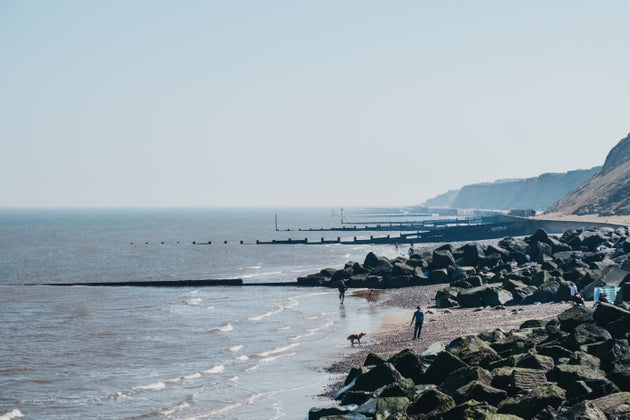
<point>418,317</point>
<point>342,291</point>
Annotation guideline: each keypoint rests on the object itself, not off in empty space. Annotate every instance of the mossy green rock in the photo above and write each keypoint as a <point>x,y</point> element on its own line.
<point>529,404</point>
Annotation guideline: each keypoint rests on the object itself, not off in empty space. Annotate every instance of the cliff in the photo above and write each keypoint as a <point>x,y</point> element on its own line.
<point>529,193</point>
<point>605,194</point>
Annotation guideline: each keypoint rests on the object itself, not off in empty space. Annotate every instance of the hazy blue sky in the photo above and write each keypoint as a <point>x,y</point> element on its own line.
<point>273,103</point>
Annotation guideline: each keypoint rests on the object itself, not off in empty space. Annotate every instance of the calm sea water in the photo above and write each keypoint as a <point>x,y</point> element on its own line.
<point>81,352</point>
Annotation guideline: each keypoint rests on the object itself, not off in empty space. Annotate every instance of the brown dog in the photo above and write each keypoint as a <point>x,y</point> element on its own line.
<point>357,337</point>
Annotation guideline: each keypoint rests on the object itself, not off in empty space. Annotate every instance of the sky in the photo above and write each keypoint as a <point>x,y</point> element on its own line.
<point>150,103</point>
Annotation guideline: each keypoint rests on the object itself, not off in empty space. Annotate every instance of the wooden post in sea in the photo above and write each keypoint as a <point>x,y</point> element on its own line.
<point>276,218</point>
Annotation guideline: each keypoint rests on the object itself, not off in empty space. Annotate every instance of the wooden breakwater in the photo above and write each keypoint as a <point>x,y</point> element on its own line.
<point>494,227</point>
<point>172,283</point>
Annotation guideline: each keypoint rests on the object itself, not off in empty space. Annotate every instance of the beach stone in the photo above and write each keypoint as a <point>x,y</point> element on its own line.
<point>479,391</point>
<point>615,406</point>
<point>409,364</point>
<point>430,401</point>
<point>529,404</point>
<point>486,295</point>
<point>444,364</point>
<point>473,351</point>
<point>573,317</point>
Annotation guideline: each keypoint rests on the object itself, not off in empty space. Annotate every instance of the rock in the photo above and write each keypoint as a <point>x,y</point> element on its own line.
<point>429,401</point>
<point>465,375</point>
<point>318,413</point>
<point>573,317</point>
<point>606,312</point>
<point>374,360</point>
<point>444,364</point>
<point>583,410</point>
<point>523,379</point>
<point>442,259</point>
<point>529,404</point>
<point>585,334</point>
<point>385,407</point>
<point>566,375</point>
<point>377,377</point>
<point>536,361</point>
<point>409,364</point>
<point>479,391</point>
<point>476,410</point>
<point>439,276</point>
<point>615,406</point>
<point>473,351</point>
<point>486,295</point>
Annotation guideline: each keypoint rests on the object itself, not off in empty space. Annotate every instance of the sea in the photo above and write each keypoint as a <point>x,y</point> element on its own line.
<point>222,352</point>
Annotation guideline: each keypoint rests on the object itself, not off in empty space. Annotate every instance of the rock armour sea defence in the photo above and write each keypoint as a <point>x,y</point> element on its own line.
<point>567,368</point>
<point>525,270</point>
<point>576,365</point>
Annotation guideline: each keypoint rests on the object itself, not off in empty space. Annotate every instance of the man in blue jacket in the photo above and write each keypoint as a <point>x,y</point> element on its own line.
<point>418,316</point>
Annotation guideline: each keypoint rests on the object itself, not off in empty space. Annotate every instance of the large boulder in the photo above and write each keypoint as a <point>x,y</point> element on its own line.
<point>409,364</point>
<point>486,295</point>
<point>479,391</point>
<point>473,351</point>
<point>442,259</point>
<point>429,401</point>
<point>377,377</point>
<point>529,404</point>
<point>614,406</point>
<point>573,317</point>
<point>444,364</point>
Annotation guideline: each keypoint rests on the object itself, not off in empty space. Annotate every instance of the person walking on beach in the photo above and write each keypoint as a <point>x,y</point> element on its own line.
<point>342,291</point>
<point>418,317</point>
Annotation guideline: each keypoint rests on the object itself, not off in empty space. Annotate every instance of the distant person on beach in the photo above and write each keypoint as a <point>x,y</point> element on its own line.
<point>411,250</point>
<point>342,290</point>
<point>572,291</point>
<point>371,295</point>
<point>418,317</point>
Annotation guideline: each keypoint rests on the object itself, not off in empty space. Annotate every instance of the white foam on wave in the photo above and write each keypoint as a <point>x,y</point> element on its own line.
<point>272,358</point>
<point>234,349</point>
<point>222,410</point>
<point>224,328</point>
<point>278,350</point>
<point>234,378</point>
<point>13,414</point>
<point>242,358</point>
<point>195,301</point>
<point>156,386</point>
<point>215,369</point>
<point>265,315</point>
<point>185,378</point>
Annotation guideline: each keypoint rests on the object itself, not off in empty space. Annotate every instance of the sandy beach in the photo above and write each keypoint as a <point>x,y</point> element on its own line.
<point>441,325</point>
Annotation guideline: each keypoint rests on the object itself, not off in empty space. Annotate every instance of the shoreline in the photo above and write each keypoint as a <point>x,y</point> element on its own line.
<point>440,326</point>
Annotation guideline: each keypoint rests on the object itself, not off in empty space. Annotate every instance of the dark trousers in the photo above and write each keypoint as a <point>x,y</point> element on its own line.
<point>417,330</point>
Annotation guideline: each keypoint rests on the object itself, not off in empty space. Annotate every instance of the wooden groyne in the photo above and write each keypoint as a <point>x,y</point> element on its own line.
<point>494,227</point>
<point>172,283</point>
